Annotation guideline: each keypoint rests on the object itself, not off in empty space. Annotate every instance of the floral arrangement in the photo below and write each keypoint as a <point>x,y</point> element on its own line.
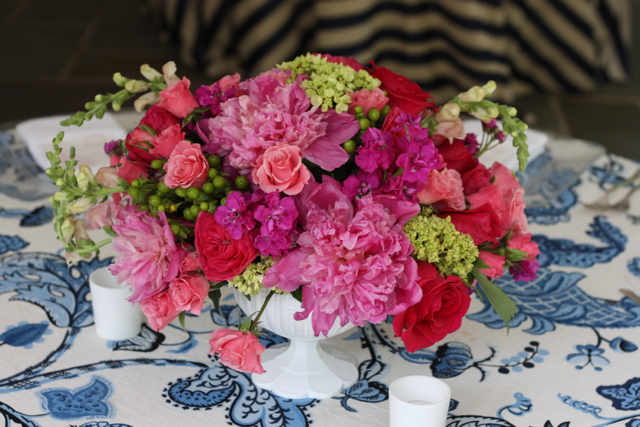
<point>343,185</point>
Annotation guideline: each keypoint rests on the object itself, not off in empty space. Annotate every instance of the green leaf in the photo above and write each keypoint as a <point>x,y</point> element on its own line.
<point>516,255</point>
<point>297,294</point>
<point>109,231</point>
<point>181,320</point>
<point>215,295</point>
<point>148,129</point>
<point>501,303</point>
<point>480,264</point>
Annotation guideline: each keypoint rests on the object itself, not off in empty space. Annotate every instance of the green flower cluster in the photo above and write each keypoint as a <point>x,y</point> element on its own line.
<point>250,281</point>
<point>437,241</point>
<point>329,84</point>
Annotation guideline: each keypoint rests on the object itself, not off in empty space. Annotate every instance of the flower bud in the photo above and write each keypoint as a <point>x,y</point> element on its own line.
<point>107,176</point>
<point>119,80</point>
<point>148,72</point>
<point>80,205</point>
<point>136,86</point>
<point>83,181</point>
<point>87,170</point>
<point>475,94</point>
<point>449,111</point>
<point>62,196</point>
<point>169,70</point>
<point>490,87</point>
<point>149,98</point>
<point>67,229</point>
<point>80,232</point>
<point>512,112</point>
<point>59,182</point>
<point>71,258</point>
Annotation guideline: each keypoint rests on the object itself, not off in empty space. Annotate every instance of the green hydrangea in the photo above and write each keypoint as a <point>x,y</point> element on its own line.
<point>250,281</point>
<point>329,84</point>
<point>437,241</point>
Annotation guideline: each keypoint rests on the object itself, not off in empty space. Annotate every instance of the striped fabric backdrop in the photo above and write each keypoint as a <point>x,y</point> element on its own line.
<point>444,45</point>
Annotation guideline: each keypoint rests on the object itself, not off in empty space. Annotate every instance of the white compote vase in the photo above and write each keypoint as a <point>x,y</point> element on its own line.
<point>305,367</point>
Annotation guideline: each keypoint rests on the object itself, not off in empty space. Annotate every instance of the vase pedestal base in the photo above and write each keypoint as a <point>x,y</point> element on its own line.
<point>305,368</point>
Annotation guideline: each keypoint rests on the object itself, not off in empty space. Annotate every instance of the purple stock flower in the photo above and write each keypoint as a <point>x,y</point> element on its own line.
<point>501,136</point>
<point>278,220</point>
<point>112,147</point>
<point>376,151</point>
<point>235,216</point>
<point>362,184</point>
<point>212,96</point>
<point>471,141</point>
<point>417,160</point>
<point>526,272</point>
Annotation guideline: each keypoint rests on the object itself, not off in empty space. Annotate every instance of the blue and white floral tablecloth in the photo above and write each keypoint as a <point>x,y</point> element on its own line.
<point>571,356</point>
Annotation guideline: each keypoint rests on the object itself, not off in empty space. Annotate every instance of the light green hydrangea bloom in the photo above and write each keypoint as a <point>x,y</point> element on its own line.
<point>250,281</point>
<point>437,241</point>
<point>329,84</point>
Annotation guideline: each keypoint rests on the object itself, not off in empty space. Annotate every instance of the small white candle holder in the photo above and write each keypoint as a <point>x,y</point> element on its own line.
<point>418,401</point>
<point>115,318</point>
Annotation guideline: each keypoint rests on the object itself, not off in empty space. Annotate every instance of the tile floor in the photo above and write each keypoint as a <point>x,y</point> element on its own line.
<point>57,54</point>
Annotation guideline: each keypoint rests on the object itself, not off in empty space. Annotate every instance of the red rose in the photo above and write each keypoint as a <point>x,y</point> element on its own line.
<point>475,179</point>
<point>402,92</point>
<point>444,303</point>
<point>130,170</point>
<point>220,256</point>
<point>457,157</point>
<point>159,119</point>
<point>481,223</point>
<point>138,138</point>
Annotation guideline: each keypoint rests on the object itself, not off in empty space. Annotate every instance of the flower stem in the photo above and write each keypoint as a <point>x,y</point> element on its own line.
<point>254,323</point>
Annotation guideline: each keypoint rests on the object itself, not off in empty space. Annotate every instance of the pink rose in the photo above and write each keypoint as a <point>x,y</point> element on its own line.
<point>130,170</point>
<point>189,263</point>
<point>239,350</point>
<point>367,99</point>
<point>186,167</point>
<point>445,186</point>
<point>165,142</point>
<point>177,99</point>
<point>495,263</point>
<point>136,143</point>
<point>159,310</point>
<point>513,199</point>
<point>107,176</point>
<point>491,196</point>
<point>159,119</point>
<point>227,82</point>
<point>280,168</point>
<point>188,292</point>
<point>525,244</point>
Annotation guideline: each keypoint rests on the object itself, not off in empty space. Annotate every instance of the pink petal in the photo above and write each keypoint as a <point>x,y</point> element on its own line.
<point>326,154</point>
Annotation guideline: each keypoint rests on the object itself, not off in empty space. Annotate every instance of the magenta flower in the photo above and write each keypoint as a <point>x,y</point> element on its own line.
<point>235,216</point>
<point>377,150</point>
<point>524,271</point>
<point>273,113</point>
<point>362,184</point>
<point>212,96</point>
<point>278,223</point>
<point>471,142</point>
<point>149,258</point>
<point>355,265</point>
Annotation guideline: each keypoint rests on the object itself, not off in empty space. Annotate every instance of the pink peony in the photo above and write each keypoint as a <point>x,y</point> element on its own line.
<point>149,258</point>
<point>281,75</point>
<point>159,309</point>
<point>495,263</point>
<point>355,265</point>
<point>227,82</point>
<point>177,99</point>
<point>239,350</point>
<point>186,167</point>
<point>280,168</point>
<point>443,188</point>
<point>272,113</point>
<point>166,141</point>
<point>367,99</point>
<point>188,292</point>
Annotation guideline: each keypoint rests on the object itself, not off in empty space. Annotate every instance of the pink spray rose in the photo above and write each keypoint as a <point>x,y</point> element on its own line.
<point>177,99</point>
<point>280,168</point>
<point>495,263</point>
<point>186,167</point>
<point>227,82</point>
<point>159,309</point>
<point>166,141</point>
<point>189,263</point>
<point>188,292</point>
<point>239,350</point>
<point>367,99</point>
<point>444,188</point>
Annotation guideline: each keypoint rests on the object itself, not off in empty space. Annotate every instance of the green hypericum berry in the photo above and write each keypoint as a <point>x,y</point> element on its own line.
<point>223,201</point>
<point>358,110</point>
<point>154,212</point>
<point>385,110</point>
<point>364,124</point>
<point>374,115</point>
<point>349,146</point>
<point>135,183</point>
<point>193,193</point>
<point>242,182</point>
<point>204,206</point>
<point>186,213</point>
<point>208,188</point>
<point>133,192</point>
<point>214,161</point>
<point>212,173</point>
<point>219,182</point>
<point>143,207</point>
<point>175,229</point>
<point>181,192</point>
<point>163,188</point>
<point>155,200</point>
<point>195,210</point>
<point>162,208</point>
<point>157,164</point>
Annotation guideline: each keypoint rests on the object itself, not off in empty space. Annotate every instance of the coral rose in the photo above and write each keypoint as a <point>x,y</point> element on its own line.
<point>188,292</point>
<point>444,303</point>
<point>495,263</point>
<point>280,168</point>
<point>177,99</point>
<point>367,99</point>
<point>166,141</point>
<point>444,188</point>
<point>220,256</point>
<point>239,350</point>
<point>186,167</point>
<point>159,310</point>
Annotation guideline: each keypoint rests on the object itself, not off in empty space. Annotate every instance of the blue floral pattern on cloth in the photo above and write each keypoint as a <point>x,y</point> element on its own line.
<point>625,397</point>
<point>25,334</point>
<point>89,401</point>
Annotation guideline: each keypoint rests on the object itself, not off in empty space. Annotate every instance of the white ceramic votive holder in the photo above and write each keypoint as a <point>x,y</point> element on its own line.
<point>418,401</point>
<point>115,318</point>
